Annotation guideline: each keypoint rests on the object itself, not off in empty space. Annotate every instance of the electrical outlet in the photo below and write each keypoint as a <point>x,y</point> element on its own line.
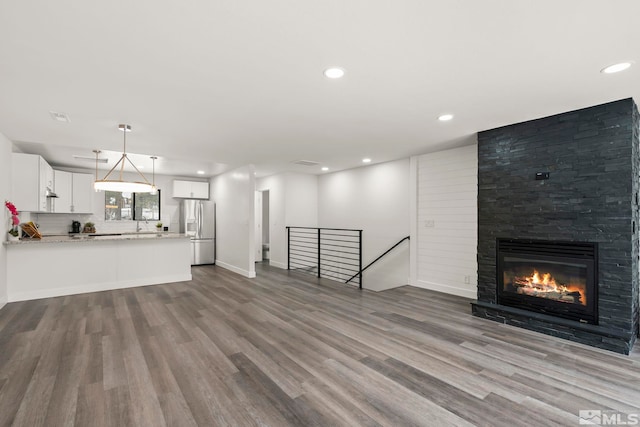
<point>429,223</point>
<point>467,279</point>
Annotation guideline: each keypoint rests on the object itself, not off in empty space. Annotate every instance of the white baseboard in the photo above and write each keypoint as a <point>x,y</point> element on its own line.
<point>240,271</point>
<point>278,264</point>
<point>97,287</point>
<point>382,289</point>
<point>452,290</point>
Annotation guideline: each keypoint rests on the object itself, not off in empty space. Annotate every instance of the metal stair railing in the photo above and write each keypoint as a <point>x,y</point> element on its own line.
<point>331,253</point>
<point>377,259</point>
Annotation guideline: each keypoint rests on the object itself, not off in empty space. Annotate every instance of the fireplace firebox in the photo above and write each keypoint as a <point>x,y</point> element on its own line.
<point>550,277</point>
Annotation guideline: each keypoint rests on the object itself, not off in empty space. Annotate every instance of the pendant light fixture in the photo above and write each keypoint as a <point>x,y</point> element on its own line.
<point>120,184</point>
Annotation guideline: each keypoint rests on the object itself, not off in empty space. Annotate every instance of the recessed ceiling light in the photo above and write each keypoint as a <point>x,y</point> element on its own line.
<point>324,168</point>
<point>200,172</point>
<point>334,73</point>
<point>616,68</point>
<point>445,117</point>
<point>366,160</point>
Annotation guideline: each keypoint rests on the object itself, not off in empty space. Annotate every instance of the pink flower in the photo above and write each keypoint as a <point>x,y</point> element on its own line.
<point>15,221</point>
<point>11,207</point>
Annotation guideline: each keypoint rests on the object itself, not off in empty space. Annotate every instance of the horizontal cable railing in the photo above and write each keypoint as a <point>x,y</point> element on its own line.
<point>332,253</point>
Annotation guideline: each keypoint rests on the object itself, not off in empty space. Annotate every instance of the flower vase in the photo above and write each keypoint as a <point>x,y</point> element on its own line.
<point>13,238</point>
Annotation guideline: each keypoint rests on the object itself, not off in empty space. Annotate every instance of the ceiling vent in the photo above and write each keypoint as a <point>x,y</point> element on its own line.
<point>60,117</point>
<point>305,163</point>
<point>91,159</point>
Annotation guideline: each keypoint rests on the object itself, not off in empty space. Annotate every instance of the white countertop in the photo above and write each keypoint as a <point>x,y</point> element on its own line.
<point>82,238</point>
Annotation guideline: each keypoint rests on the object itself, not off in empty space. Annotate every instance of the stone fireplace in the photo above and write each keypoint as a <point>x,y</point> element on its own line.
<point>558,225</point>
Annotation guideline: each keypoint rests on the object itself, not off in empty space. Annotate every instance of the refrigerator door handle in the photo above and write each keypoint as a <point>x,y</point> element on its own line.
<point>200,220</point>
<point>196,220</point>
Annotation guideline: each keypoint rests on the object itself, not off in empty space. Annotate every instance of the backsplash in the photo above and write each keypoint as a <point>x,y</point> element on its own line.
<point>61,223</point>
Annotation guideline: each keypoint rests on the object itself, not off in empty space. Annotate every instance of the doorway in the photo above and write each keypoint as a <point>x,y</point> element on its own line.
<point>262,226</point>
<point>265,225</point>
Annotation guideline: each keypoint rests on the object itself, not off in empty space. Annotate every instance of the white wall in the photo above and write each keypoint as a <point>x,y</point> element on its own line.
<point>234,194</point>
<point>301,197</point>
<point>293,201</point>
<point>375,199</point>
<point>446,220</point>
<point>5,194</point>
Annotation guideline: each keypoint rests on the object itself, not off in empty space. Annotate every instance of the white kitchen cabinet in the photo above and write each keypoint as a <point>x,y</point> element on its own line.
<point>190,189</point>
<point>181,188</point>
<point>31,177</point>
<point>82,184</point>
<point>62,182</point>
<point>74,192</point>
<point>46,176</point>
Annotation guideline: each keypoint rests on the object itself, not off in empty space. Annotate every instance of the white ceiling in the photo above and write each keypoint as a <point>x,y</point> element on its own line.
<point>213,85</point>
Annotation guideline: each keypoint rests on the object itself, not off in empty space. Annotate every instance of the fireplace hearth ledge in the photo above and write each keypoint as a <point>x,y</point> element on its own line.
<point>610,339</point>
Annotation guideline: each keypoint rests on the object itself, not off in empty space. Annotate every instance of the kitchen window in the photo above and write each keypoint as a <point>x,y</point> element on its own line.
<point>131,206</point>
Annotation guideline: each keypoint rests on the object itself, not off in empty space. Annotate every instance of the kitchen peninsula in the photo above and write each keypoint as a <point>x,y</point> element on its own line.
<point>65,265</point>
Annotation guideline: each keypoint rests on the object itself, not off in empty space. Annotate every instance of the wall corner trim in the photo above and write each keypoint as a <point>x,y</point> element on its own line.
<point>246,273</point>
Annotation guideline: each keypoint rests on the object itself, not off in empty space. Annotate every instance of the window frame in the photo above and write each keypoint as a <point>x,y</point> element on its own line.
<point>133,207</point>
<point>159,206</point>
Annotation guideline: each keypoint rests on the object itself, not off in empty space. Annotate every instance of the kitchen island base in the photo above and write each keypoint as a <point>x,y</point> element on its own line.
<point>51,269</point>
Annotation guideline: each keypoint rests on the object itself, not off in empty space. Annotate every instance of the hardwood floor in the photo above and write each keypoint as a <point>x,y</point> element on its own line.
<point>288,349</point>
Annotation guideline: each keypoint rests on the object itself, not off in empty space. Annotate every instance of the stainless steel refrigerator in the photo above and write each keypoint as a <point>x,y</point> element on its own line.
<point>198,220</point>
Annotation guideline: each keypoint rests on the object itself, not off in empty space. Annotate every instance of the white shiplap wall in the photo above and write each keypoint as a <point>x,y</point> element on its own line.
<point>446,221</point>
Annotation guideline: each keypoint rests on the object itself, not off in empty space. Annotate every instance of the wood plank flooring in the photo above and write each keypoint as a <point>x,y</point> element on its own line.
<point>288,349</point>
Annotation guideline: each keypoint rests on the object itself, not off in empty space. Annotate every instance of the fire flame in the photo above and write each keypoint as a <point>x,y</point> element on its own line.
<point>544,285</point>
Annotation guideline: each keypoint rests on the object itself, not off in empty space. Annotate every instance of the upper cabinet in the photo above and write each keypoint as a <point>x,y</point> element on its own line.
<point>62,181</point>
<point>82,193</point>
<point>190,189</point>
<point>74,192</point>
<point>34,183</point>
<point>31,183</point>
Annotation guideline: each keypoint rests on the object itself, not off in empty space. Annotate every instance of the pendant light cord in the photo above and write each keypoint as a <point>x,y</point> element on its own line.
<point>124,152</point>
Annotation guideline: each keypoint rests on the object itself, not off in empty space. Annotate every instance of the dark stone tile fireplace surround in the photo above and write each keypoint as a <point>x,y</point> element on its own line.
<point>589,197</point>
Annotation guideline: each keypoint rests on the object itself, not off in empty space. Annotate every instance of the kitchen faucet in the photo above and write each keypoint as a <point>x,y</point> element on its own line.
<point>138,228</point>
